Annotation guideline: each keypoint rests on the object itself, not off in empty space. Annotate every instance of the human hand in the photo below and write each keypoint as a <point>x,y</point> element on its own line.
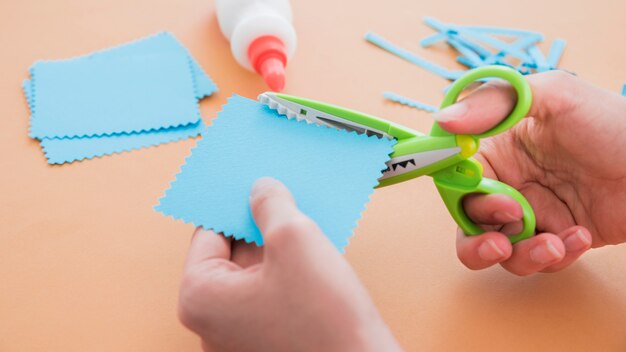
<point>297,293</point>
<point>567,159</point>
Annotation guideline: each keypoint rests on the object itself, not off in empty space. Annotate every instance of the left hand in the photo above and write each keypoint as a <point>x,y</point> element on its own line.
<point>297,293</point>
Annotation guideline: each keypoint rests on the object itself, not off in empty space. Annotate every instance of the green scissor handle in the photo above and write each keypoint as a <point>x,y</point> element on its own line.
<point>465,177</point>
<point>522,88</point>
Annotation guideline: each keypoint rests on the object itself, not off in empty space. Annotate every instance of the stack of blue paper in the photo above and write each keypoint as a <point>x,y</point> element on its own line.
<point>132,96</point>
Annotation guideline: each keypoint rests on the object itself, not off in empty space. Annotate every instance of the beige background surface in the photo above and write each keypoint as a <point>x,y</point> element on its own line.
<point>87,265</point>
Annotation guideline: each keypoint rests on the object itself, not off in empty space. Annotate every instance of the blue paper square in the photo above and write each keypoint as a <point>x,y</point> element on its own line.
<point>160,43</point>
<point>98,96</point>
<point>66,150</point>
<point>331,173</point>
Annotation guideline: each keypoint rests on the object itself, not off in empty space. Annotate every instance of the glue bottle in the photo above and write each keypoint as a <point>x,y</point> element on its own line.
<point>261,35</point>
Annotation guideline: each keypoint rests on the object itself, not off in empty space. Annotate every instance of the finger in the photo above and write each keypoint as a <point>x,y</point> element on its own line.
<point>553,214</point>
<point>492,209</point>
<point>482,251</point>
<point>535,254</point>
<point>577,240</point>
<point>480,111</point>
<point>207,260</point>
<point>206,246</point>
<point>289,235</point>
<point>553,93</point>
<point>246,254</point>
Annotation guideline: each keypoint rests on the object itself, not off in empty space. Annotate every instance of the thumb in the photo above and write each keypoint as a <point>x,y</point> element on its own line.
<point>291,238</point>
<point>553,94</point>
<point>480,111</point>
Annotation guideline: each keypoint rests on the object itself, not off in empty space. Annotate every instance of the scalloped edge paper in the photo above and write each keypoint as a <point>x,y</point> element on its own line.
<point>101,96</point>
<point>331,173</point>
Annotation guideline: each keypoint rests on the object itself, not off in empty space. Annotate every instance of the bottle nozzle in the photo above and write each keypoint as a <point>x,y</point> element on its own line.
<point>273,72</point>
<point>267,56</point>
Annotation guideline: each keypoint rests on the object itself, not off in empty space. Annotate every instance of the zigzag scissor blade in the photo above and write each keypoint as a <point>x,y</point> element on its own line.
<point>411,162</point>
<point>300,112</point>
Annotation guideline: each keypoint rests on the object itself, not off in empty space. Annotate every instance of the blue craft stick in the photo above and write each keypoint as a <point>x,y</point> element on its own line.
<point>475,47</point>
<point>436,24</point>
<point>540,60</point>
<point>624,90</point>
<point>412,58</point>
<point>503,31</point>
<point>447,32</point>
<point>409,102</point>
<point>523,69</point>
<point>432,39</point>
<point>556,50</point>
<point>468,53</point>
<point>523,44</point>
<point>465,61</point>
<point>498,44</point>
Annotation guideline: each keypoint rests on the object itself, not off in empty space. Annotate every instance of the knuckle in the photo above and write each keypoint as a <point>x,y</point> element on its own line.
<point>558,91</point>
<point>297,225</point>
<point>195,292</point>
<point>261,199</point>
<point>558,77</point>
<point>187,307</point>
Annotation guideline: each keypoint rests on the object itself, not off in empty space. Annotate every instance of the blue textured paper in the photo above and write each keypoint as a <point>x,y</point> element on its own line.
<point>163,42</point>
<point>98,96</point>
<point>331,173</point>
<point>65,150</point>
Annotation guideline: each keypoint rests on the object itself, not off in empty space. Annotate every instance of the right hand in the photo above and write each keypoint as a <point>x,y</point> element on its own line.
<point>568,159</point>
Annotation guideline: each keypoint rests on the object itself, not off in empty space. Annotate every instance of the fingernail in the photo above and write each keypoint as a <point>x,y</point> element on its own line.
<point>451,113</point>
<point>576,241</point>
<point>505,217</point>
<point>489,251</point>
<point>261,185</point>
<point>544,253</point>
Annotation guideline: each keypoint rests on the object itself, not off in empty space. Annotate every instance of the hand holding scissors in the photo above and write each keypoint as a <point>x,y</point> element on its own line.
<point>444,156</point>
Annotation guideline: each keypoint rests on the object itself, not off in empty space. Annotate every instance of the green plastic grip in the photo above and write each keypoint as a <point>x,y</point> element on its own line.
<point>464,178</point>
<point>452,192</point>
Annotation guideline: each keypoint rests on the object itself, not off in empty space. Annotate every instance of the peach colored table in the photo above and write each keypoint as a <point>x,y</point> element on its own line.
<point>87,265</point>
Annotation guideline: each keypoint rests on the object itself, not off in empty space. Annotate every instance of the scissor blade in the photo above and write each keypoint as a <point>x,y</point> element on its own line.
<point>309,114</point>
<point>411,162</point>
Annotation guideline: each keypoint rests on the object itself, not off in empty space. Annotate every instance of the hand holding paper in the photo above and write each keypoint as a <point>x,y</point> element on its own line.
<point>301,296</point>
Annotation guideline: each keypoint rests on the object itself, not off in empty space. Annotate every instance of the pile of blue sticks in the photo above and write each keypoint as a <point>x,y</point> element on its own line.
<point>477,46</point>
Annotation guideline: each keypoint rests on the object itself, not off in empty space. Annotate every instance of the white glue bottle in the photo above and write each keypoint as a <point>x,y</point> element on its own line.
<point>261,35</point>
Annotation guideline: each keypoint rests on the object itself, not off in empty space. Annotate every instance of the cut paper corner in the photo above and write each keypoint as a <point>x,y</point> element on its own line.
<point>203,84</point>
<point>333,186</point>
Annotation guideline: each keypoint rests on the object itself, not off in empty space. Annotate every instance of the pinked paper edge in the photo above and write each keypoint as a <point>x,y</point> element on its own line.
<point>346,240</point>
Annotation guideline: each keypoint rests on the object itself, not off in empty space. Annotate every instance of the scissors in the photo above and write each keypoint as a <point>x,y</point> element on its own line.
<point>444,156</point>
